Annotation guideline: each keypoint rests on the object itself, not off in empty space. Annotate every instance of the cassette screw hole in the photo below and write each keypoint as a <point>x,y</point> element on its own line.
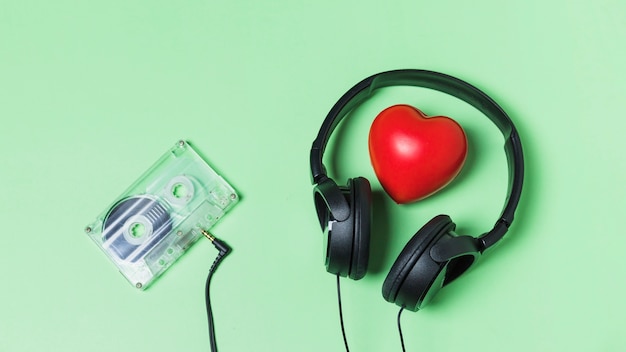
<point>88,229</point>
<point>179,191</point>
<point>233,196</point>
<point>137,230</point>
<point>138,285</point>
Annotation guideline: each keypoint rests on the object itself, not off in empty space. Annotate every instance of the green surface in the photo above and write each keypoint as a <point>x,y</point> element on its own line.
<point>93,92</point>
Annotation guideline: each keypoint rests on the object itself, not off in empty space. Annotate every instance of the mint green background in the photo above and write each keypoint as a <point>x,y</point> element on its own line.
<point>93,92</point>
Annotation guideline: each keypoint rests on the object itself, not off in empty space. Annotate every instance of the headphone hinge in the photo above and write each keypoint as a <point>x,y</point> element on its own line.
<point>490,238</point>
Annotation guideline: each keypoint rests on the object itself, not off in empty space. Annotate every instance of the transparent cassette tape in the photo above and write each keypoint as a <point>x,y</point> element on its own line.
<point>161,215</point>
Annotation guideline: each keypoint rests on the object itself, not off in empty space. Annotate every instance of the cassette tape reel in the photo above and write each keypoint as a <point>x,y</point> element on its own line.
<point>161,215</point>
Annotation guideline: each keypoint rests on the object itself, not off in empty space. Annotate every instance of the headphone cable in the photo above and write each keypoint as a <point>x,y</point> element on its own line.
<point>223,250</point>
<point>400,329</point>
<point>343,330</point>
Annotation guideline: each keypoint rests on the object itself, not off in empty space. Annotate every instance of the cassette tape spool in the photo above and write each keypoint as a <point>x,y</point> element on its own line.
<point>161,214</point>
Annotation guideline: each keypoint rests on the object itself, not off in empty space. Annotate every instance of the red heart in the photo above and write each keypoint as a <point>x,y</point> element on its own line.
<point>414,155</point>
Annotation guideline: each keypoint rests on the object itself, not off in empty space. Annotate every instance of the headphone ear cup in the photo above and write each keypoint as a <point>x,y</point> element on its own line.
<point>333,207</point>
<point>414,271</point>
<point>347,241</point>
<point>339,237</point>
<point>362,214</point>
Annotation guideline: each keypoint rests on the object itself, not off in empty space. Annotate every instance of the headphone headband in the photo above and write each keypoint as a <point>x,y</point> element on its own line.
<point>449,85</point>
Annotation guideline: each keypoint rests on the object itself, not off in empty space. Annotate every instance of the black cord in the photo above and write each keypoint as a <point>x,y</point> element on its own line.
<point>343,330</point>
<point>400,329</point>
<point>223,250</point>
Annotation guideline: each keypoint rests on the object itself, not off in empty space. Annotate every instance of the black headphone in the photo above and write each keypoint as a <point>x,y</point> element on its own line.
<point>435,255</point>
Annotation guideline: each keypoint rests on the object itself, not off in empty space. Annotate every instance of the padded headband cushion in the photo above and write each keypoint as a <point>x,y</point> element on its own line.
<point>419,243</point>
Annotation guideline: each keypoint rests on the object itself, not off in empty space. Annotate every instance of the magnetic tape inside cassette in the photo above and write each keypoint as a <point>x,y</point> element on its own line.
<point>162,214</point>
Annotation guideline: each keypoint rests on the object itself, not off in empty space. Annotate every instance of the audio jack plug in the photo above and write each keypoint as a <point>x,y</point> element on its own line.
<point>223,250</point>
<point>221,246</point>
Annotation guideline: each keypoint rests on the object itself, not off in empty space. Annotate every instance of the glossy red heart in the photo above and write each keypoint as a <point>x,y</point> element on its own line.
<point>414,155</point>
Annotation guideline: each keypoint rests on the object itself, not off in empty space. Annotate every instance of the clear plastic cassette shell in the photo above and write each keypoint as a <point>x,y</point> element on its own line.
<point>161,215</point>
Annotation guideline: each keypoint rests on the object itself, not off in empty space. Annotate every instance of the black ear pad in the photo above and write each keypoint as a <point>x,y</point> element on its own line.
<point>347,241</point>
<point>362,207</point>
<point>414,272</point>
